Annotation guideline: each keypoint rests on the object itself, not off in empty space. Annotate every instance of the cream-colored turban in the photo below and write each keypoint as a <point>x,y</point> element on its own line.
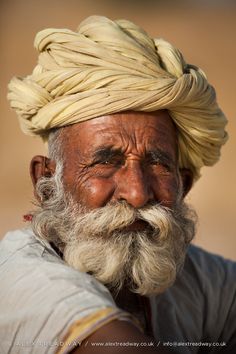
<point>112,66</point>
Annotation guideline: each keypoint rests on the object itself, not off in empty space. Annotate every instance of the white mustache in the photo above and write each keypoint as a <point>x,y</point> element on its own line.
<point>114,217</point>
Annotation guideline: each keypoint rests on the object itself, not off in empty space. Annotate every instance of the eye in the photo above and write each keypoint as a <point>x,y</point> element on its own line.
<point>160,163</point>
<point>105,162</point>
<point>113,161</point>
<point>160,166</point>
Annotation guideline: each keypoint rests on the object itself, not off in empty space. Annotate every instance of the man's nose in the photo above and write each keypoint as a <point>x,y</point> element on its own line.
<point>134,185</point>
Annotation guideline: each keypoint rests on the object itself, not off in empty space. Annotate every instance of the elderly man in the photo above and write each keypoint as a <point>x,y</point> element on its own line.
<point>106,264</point>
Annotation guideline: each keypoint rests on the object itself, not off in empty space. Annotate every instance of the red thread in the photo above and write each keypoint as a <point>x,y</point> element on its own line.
<point>27,217</point>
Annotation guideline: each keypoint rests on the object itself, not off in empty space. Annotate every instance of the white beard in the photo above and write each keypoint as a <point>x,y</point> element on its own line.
<point>96,241</point>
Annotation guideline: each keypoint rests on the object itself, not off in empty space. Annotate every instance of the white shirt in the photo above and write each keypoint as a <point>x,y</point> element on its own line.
<point>41,297</point>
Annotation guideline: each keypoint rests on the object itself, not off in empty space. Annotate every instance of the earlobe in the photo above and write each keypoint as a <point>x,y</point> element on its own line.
<point>187,180</point>
<point>41,166</point>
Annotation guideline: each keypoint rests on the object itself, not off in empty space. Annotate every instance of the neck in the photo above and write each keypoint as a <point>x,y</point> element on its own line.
<point>126,299</point>
<point>137,305</point>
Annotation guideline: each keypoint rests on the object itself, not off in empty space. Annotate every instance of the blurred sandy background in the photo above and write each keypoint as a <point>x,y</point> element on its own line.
<point>203,30</point>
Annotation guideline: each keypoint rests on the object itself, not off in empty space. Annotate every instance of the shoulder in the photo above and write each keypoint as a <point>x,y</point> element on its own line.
<point>212,274</point>
<point>209,266</point>
<point>205,258</point>
<point>40,295</point>
<point>205,275</point>
<point>202,302</point>
<point>213,279</point>
<point>24,256</point>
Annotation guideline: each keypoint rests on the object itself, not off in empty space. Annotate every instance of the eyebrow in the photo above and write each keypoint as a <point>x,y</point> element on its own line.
<point>102,153</point>
<point>160,155</point>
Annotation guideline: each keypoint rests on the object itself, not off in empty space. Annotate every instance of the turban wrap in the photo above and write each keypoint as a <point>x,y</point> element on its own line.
<point>112,66</point>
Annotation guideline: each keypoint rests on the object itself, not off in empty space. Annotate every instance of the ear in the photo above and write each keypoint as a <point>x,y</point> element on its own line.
<point>187,180</point>
<point>41,166</point>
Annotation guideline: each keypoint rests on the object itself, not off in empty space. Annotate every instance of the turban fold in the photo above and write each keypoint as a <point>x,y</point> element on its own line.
<point>109,66</point>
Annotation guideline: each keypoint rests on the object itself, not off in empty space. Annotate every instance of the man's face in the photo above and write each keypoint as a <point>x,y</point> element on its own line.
<point>129,156</point>
<point>116,208</point>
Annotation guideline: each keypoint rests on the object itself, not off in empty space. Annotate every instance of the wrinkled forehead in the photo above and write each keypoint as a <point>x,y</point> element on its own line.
<point>139,131</point>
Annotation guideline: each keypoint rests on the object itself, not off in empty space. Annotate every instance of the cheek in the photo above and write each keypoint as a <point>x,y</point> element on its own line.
<point>166,190</point>
<point>95,192</point>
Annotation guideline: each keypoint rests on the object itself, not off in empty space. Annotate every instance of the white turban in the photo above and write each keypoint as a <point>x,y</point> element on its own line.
<point>112,66</point>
